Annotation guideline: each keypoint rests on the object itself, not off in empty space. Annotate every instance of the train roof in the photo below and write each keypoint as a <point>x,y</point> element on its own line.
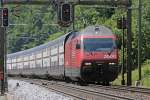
<point>90,30</point>
<point>97,30</point>
<point>37,48</point>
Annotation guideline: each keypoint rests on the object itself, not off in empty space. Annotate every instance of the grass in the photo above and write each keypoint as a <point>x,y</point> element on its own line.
<point>145,82</point>
<point>54,36</point>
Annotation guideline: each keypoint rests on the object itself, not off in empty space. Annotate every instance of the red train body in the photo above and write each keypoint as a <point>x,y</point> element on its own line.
<point>90,55</point>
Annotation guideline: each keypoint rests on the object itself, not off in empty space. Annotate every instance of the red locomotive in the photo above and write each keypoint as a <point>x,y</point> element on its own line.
<point>90,55</point>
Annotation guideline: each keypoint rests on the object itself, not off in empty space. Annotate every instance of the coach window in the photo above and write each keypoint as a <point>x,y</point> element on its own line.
<point>51,51</point>
<point>49,56</point>
<point>21,58</point>
<point>14,66</point>
<point>26,58</point>
<point>54,60</point>
<point>32,56</point>
<point>61,48</point>
<point>32,64</point>
<point>26,61</point>
<point>8,66</point>
<point>32,60</point>
<point>9,63</point>
<point>48,51</point>
<point>48,62</point>
<point>54,50</point>
<point>18,61</point>
<point>39,63</point>
<point>61,59</point>
<point>14,60</point>
<point>39,54</point>
<point>39,59</point>
<point>13,63</point>
<point>18,65</point>
<point>45,52</point>
<point>8,60</point>
<point>45,62</point>
<point>21,65</point>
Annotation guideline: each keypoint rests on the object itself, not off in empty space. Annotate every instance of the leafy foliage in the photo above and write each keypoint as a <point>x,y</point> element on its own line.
<point>40,25</point>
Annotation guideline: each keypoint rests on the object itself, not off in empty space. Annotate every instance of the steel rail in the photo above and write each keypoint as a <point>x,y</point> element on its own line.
<point>76,97</point>
<point>124,88</point>
<point>112,96</point>
<point>87,91</point>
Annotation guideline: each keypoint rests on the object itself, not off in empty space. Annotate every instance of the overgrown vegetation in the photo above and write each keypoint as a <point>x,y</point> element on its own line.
<point>145,82</point>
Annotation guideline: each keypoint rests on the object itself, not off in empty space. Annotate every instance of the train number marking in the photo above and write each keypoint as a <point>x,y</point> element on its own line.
<point>109,56</point>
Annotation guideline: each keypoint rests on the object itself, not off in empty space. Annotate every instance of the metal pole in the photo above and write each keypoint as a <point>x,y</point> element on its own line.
<point>129,45</point>
<point>139,38</point>
<point>123,66</point>
<point>73,11</point>
<point>2,58</point>
<point>5,60</point>
<point>2,52</point>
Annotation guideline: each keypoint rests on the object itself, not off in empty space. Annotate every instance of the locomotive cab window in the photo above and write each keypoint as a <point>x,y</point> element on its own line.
<point>98,44</point>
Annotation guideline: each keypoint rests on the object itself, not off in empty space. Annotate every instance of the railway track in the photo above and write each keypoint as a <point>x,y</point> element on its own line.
<point>145,91</point>
<point>77,92</point>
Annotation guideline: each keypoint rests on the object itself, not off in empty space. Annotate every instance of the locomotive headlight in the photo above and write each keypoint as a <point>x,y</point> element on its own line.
<point>87,63</point>
<point>112,63</point>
